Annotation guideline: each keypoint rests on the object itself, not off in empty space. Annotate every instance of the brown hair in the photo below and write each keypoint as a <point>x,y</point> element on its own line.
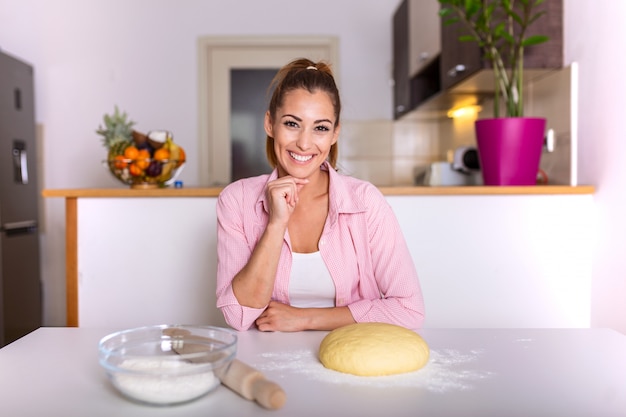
<point>311,76</point>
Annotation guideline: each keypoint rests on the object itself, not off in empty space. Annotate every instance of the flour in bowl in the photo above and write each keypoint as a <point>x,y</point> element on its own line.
<point>167,389</point>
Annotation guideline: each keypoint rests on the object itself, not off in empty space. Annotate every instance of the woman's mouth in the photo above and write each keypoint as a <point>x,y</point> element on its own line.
<point>300,158</point>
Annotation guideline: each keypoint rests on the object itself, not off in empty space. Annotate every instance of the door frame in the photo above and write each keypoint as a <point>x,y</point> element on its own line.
<point>217,55</point>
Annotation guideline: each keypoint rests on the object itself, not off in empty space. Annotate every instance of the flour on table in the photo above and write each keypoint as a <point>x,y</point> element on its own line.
<point>445,370</point>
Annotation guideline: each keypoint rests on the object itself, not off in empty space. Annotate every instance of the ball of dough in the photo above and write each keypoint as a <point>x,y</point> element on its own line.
<point>373,349</point>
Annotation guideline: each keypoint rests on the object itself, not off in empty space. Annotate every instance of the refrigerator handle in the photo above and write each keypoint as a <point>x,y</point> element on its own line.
<point>20,164</point>
<point>19,228</point>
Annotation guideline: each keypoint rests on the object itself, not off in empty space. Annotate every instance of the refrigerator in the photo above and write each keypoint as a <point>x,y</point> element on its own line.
<point>20,272</point>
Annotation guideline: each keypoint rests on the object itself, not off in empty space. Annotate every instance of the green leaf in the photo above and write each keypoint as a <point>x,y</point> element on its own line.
<point>444,12</point>
<point>471,8</point>
<point>518,19</point>
<point>535,17</point>
<point>508,37</point>
<point>451,21</point>
<point>499,30</point>
<point>534,40</point>
<point>468,38</point>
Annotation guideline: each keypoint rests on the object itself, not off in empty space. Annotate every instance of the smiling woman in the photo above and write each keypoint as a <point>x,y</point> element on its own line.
<point>302,122</point>
<point>356,254</point>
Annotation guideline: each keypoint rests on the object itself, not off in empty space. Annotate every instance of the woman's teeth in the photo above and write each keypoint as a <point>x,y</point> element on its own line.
<point>300,157</point>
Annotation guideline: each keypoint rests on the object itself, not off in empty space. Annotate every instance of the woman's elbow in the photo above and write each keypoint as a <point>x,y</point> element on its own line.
<point>236,320</point>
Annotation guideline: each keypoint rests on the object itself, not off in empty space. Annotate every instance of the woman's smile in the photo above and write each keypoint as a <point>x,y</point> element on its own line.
<point>300,158</point>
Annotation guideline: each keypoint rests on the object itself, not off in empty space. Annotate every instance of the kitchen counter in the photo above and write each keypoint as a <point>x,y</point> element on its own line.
<point>390,191</point>
<point>471,372</point>
<point>160,246</point>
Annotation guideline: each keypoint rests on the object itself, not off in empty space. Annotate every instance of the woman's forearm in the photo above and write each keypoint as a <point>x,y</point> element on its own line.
<point>328,318</point>
<point>253,285</point>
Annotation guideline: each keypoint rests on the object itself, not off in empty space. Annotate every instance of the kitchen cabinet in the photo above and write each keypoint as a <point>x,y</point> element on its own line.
<point>424,34</point>
<point>416,49</point>
<point>401,96</point>
<point>461,60</point>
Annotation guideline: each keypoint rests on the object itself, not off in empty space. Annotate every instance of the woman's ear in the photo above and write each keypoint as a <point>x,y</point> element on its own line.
<point>268,124</point>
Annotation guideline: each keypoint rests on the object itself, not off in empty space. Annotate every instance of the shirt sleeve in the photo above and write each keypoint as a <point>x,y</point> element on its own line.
<point>233,252</point>
<point>400,298</point>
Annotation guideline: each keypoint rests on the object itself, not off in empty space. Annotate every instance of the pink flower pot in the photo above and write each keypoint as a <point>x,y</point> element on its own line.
<point>509,149</point>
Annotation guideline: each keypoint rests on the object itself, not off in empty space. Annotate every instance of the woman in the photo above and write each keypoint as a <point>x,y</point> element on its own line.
<point>306,248</point>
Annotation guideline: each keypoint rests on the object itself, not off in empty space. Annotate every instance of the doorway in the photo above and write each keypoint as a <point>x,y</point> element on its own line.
<point>249,98</point>
<point>222,59</point>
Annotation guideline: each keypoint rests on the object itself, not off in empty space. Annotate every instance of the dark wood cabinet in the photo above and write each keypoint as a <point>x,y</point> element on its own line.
<point>416,49</point>
<point>401,89</point>
<point>460,60</point>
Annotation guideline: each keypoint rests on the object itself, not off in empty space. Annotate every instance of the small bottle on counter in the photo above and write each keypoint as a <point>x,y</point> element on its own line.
<point>178,184</point>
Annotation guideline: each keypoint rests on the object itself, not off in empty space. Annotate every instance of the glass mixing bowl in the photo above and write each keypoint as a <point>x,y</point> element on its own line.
<point>167,364</point>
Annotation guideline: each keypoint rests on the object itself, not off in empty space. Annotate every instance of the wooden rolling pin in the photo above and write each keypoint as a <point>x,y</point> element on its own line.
<point>238,376</point>
<point>252,385</point>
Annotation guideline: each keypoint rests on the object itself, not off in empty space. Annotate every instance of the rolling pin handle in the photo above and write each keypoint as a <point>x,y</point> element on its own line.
<point>252,385</point>
<point>268,394</point>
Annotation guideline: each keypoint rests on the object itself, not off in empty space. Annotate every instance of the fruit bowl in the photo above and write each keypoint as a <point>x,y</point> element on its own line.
<point>144,172</point>
<point>167,364</point>
<point>140,160</point>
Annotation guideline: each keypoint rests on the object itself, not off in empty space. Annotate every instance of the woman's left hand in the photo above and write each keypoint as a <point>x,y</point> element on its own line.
<point>281,317</point>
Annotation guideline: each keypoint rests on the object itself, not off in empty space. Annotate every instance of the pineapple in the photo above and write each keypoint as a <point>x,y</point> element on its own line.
<point>117,133</point>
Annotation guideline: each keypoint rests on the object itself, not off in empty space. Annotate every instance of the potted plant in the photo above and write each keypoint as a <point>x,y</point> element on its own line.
<point>509,146</point>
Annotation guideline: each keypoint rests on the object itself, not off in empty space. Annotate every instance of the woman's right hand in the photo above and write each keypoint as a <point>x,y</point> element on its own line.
<point>282,195</point>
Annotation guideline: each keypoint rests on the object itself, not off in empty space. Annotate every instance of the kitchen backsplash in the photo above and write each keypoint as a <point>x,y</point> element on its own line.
<point>396,153</point>
<point>386,152</point>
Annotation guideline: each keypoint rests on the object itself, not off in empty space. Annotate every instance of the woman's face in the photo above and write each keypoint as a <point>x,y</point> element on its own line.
<point>303,132</point>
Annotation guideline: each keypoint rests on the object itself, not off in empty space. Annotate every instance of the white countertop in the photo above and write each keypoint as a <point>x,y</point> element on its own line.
<point>482,372</point>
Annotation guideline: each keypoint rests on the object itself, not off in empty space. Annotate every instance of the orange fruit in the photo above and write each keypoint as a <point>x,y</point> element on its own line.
<point>131,152</point>
<point>162,154</point>
<point>120,162</point>
<point>143,159</point>
<point>135,170</point>
<point>181,158</point>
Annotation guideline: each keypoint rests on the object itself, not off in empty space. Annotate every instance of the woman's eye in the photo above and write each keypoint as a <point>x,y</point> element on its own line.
<point>290,123</point>
<point>322,128</point>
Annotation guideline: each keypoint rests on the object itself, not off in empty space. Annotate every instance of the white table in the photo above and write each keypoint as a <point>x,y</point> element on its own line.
<point>503,373</point>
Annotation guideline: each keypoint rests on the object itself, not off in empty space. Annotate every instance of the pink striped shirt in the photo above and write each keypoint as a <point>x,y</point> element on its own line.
<point>361,244</point>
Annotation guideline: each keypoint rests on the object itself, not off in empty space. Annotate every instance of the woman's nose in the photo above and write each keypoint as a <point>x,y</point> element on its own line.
<point>304,140</point>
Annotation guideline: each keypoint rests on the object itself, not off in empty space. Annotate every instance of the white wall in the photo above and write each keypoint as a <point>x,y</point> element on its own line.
<point>140,54</point>
<point>594,39</point>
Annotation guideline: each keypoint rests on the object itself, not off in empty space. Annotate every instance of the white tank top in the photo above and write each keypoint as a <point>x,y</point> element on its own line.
<point>310,283</point>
